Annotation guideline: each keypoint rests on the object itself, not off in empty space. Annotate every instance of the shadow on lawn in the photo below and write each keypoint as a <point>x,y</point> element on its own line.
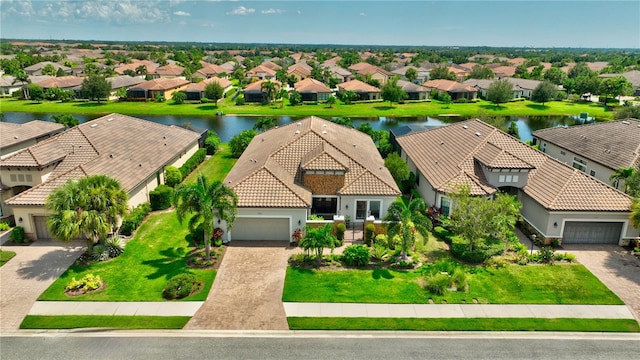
<point>173,263</point>
<point>384,108</point>
<point>381,273</point>
<point>91,104</point>
<point>537,106</point>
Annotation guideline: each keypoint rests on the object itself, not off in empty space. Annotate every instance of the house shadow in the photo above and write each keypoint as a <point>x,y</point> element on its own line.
<point>50,265</point>
<point>378,274</point>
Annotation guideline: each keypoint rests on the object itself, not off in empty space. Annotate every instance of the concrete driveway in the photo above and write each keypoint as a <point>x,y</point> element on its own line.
<point>615,267</point>
<point>247,291</point>
<point>28,274</point>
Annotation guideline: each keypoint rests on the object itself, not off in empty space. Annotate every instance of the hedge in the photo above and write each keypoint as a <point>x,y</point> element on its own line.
<point>193,162</point>
<point>132,221</point>
<point>161,197</point>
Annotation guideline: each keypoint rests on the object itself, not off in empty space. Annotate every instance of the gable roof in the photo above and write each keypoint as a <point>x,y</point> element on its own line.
<point>151,66</point>
<point>212,69</point>
<point>614,144</point>
<point>262,69</point>
<point>200,86</point>
<point>123,147</point>
<point>409,87</point>
<point>123,81</point>
<point>256,86</point>
<point>62,82</point>
<point>448,156</point>
<point>300,68</point>
<point>170,70</point>
<point>357,86</point>
<point>269,171</point>
<point>310,85</point>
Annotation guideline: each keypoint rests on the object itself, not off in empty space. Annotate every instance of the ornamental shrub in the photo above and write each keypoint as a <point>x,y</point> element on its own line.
<point>172,176</point>
<point>114,246</point>
<point>133,220</point>
<point>339,229</point>
<point>212,143</point>
<point>160,197</point>
<point>17,235</point>
<point>193,162</point>
<point>88,283</point>
<point>356,255</point>
<point>179,286</point>
<point>4,226</point>
<point>369,234</point>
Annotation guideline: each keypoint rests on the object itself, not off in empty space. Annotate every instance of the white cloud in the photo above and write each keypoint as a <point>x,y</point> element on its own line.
<point>272,11</point>
<point>299,12</point>
<point>181,13</point>
<point>241,10</point>
<point>363,14</point>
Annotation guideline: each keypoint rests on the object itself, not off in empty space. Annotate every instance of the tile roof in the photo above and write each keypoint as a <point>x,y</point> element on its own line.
<point>447,156</point>
<point>300,68</point>
<point>448,86</point>
<point>212,69</point>
<point>162,84</point>
<point>123,81</point>
<point>310,85</point>
<point>61,82</point>
<point>261,69</point>
<point>408,86</point>
<point>357,86</point>
<point>614,144</point>
<point>269,171</point>
<point>42,64</point>
<point>151,66</point>
<point>11,134</point>
<point>256,86</point>
<point>271,65</point>
<point>120,146</point>
<point>170,70</point>
<point>200,86</point>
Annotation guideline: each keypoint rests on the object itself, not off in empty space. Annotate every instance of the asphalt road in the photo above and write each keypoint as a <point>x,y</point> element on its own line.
<point>334,346</point>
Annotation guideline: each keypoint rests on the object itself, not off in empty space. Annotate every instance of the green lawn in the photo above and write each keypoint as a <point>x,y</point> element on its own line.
<point>157,253</point>
<point>112,322</point>
<point>533,284</point>
<point>376,108</point>
<point>6,256</point>
<point>466,324</point>
<point>217,167</point>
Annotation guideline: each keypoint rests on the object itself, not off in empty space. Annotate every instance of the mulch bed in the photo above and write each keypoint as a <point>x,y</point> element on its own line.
<point>196,258</point>
<point>79,292</point>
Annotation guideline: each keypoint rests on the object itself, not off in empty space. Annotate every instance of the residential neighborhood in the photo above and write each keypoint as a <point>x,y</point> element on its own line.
<point>322,212</point>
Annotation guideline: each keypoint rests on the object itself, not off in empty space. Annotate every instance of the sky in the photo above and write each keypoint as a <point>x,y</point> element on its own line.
<point>506,23</point>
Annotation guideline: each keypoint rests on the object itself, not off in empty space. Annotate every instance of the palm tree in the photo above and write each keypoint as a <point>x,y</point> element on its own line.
<point>22,77</point>
<point>91,206</point>
<point>268,90</point>
<point>635,213</point>
<point>405,217</point>
<point>206,201</point>
<point>621,174</point>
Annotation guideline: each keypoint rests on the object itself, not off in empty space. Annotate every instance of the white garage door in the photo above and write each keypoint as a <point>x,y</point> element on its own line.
<point>261,229</point>
<point>576,232</point>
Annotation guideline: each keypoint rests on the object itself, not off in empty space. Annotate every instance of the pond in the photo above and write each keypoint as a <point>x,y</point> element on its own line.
<point>229,125</point>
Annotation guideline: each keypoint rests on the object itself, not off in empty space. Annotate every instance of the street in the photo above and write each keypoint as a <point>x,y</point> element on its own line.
<point>316,345</point>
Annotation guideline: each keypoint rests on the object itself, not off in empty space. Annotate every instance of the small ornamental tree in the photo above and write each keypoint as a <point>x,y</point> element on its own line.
<point>213,92</point>
<point>240,142</point>
<point>172,176</point>
<point>392,92</point>
<point>179,97</point>
<point>544,92</point>
<point>500,91</point>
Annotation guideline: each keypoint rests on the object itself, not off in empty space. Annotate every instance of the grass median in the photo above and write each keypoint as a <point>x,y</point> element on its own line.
<point>102,321</point>
<point>464,324</point>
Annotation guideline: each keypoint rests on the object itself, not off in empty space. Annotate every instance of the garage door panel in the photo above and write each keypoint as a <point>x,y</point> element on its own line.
<point>261,229</point>
<point>576,232</point>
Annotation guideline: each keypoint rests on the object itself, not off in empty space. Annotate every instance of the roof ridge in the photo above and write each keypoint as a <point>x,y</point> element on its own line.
<point>86,138</point>
<point>365,171</point>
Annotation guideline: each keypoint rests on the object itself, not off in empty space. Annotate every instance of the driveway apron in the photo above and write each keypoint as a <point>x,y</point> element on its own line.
<point>615,267</point>
<point>247,292</point>
<point>28,274</point>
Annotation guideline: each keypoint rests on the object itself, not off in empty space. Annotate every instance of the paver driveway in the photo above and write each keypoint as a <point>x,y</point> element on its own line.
<point>615,267</point>
<point>30,273</point>
<point>247,292</point>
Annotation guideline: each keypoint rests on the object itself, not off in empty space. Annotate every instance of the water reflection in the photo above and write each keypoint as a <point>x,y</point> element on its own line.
<point>229,125</point>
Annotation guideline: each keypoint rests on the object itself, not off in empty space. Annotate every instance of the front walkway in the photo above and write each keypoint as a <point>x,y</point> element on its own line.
<point>247,291</point>
<point>28,274</point>
<point>457,311</point>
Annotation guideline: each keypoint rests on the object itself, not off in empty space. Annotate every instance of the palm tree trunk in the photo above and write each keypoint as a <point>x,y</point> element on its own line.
<point>207,246</point>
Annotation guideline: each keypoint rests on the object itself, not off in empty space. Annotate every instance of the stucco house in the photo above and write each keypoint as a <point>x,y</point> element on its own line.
<point>15,137</point>
<point>195,91</point>
<point>455,89</point>
<point>9,85</point>
<point>36,69</point>
<point>312,90</point>
<point>253,92</point>
<point>300,71</point>
<point>598,149</point>
<point>558,201</point>
<point>261,72</point>
<point>311,166</point>
<point>364,90</point>
<point>131,150</point>
<point>414,91</point>
<point>156,88</point>
<point>170,71</point>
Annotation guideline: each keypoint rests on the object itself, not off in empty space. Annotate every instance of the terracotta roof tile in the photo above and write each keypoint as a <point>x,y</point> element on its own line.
<point>357,86</point>
<point>162,84</point>
<point>445,156</point>
<point>310,85</point>
<point>11,134</point>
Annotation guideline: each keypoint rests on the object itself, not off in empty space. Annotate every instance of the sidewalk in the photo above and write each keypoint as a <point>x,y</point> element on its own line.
<point>457,311</point>
<point>187,308</point>
<point>347,310</point>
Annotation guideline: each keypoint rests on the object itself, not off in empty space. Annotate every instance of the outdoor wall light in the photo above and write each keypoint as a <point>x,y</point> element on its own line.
<point>346,206</point>
<point>19,220</point>
<point>555,224</point>
<point>218,221</point>
<point>299,222</point>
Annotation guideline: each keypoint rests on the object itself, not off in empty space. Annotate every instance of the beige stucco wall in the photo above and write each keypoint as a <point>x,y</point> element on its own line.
<point>343,201</point>
<point>27,213</point>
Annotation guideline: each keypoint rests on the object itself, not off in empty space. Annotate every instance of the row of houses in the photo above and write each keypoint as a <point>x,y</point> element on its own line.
<point>314,166</point>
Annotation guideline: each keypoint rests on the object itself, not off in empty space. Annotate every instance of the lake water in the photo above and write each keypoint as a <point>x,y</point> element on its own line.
<point>229,125</point>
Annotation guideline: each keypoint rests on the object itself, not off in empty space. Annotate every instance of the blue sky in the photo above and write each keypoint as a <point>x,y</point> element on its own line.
<point>517,23</point>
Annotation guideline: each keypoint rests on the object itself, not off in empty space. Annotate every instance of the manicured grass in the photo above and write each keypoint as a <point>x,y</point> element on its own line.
<point>533,284</point>
<point>465,324</point>
<point>215,168</point>
<point>376,108</point>
<point>95,321</point>
<point>156,254</point>
<point>6,256</point>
